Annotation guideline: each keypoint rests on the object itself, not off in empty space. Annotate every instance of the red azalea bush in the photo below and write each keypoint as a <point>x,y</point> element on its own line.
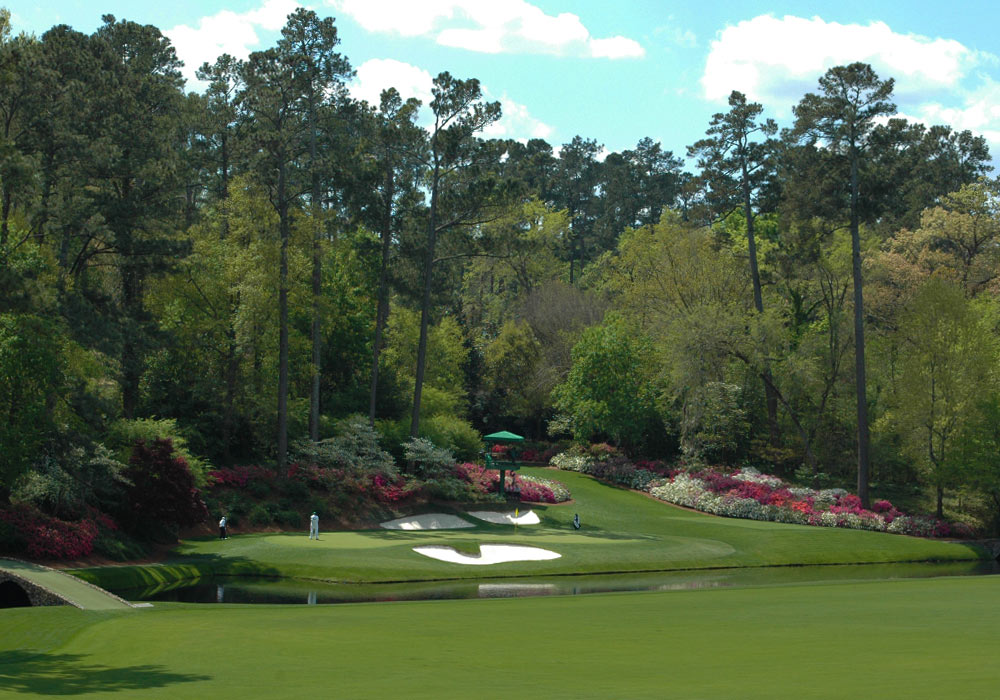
<point>392,491</point>
<point>45,537</point>
<point>239,477</point>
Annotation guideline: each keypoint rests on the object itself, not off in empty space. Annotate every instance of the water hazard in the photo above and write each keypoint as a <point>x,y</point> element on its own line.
<point>293,591</point>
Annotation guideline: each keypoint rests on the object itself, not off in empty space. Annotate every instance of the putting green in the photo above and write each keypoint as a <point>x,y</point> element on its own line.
<point>913,639</point>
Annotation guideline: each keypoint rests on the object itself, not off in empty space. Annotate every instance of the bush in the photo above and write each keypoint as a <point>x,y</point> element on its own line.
<point>454,434</point>
<point>124,435</point>
<point>260,515</point>
<point>45,537</point>
<point>355,450</point>
<point>291,518</point>
<point>428,459</point>
<point>163,492</point>
<point>118,546</point>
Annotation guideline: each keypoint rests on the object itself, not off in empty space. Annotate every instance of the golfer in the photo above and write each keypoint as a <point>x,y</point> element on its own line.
<point>314,526</point>
<point>223,535</point>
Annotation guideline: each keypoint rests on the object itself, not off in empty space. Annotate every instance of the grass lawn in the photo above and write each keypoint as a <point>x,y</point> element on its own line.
<point>622,531</point>
<point>911,639</point>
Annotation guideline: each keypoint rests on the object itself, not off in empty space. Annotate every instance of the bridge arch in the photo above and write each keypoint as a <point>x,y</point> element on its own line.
<point>13,595</point>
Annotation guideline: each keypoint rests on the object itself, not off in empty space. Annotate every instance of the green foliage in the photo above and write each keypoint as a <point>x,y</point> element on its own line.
<point>454,434</point>
<point>446,352</point>
<point>123,435</point>
<point>715,426</point>
<point>429,460</point>
<point>31,374</point>
<point>356,450</point>
<point>945,360</point>
<point>610,389</point>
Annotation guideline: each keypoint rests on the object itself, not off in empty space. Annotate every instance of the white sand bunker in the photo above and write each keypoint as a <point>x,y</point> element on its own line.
<point>427,521</point>
<point>529,517</point>
<point>488,554</point>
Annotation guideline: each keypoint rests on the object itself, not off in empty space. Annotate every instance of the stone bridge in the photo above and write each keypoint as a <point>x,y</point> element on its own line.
<point>24,584</point>
<point>18,592</point>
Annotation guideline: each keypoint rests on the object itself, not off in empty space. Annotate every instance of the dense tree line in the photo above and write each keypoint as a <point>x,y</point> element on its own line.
<point>238,269</point>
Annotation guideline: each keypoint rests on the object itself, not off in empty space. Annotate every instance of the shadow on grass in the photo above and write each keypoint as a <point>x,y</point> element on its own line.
<point>186,567</point>
<point>69,674</point>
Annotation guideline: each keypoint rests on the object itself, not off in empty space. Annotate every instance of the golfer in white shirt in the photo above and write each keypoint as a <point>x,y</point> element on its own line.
<point>314,527</point>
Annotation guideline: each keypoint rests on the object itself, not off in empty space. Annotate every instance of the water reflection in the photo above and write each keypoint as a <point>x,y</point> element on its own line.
<point>291,591</point>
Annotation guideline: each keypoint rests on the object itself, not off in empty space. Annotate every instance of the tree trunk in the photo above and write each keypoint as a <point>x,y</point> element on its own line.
<point>864,466</point>
<point>425,306</point>
<point>758,302</point>
<point>382,313</point>
<point>317,281</point>
<point>4,216</point>
<point>283,324</point>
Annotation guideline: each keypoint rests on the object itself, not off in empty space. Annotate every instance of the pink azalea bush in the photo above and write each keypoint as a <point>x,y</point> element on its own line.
<point>485,481</point>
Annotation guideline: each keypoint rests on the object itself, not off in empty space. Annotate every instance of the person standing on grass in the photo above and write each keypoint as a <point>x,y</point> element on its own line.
<point>223,534</point>
<point>314,526</point>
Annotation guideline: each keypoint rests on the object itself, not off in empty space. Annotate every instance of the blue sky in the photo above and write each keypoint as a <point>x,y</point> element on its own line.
<point>611,71</point>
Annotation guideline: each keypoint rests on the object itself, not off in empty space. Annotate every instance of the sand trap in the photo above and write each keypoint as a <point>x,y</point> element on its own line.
<point>488,554</point>
<point>528,517</point>
<point>427,521</point>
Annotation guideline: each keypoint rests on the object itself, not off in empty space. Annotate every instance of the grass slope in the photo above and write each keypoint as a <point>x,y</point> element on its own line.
<point>912,639</point>
<point>622,531</point>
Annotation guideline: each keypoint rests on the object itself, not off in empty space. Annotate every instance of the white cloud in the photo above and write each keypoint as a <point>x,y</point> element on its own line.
<point>226,32</point>
<point>776,60</point>
<point>499,26</point>
<point>977,110</point>
<point>377,74</point>
<point>517,123</point>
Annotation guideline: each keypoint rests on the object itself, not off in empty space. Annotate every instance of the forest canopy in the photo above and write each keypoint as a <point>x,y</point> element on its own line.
<point>229,273</point>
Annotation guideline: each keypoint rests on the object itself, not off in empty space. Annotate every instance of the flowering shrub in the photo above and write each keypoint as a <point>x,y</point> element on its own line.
<point>392,491</point>
<point>45,537</point>
<point>534,490</point>
<point>239,477</point>
<point>751,495</point>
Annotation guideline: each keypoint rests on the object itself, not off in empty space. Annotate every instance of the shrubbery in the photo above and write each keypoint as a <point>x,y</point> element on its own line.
<point>748,494</point>
<point>25,529</point>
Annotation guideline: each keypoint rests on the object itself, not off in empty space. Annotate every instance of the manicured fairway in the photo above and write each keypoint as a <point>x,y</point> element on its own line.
<point>913,639</point>
<point>622,531</point>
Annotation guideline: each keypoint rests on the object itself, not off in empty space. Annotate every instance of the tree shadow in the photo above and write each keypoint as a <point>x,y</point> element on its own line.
<point>69,674</point>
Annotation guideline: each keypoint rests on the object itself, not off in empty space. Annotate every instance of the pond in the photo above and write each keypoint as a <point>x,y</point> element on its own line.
<point>293,591</point>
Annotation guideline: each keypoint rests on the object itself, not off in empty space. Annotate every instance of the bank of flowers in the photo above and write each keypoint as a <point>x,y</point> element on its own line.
<point>531,489</point>
<point>748,494</point>
<point>26,530</point>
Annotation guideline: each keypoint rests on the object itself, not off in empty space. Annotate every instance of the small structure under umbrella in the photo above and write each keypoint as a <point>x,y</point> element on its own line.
<point>509,461</point>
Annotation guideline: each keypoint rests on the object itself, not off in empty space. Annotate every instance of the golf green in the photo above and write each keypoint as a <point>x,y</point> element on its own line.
<point>623,531</point>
